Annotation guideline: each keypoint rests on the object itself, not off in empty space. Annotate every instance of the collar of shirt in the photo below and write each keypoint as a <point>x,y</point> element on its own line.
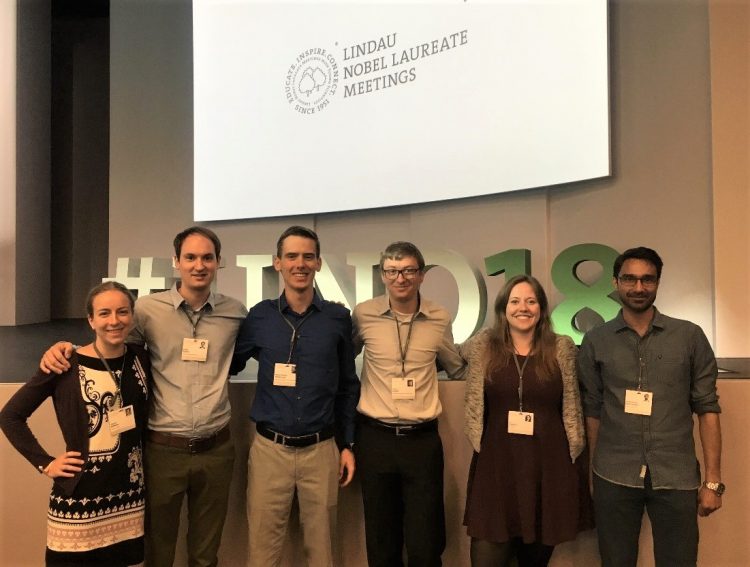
<point>283,304</point>
<point>658,321</point>
<point>178,300</point>
<point>383,306</point>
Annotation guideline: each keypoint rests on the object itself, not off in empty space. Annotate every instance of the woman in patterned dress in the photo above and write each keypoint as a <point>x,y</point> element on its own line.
<point>96,507</point>
<point>523,417</point>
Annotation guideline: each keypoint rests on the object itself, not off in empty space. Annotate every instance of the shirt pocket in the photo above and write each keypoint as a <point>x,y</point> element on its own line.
<point>673,369</point>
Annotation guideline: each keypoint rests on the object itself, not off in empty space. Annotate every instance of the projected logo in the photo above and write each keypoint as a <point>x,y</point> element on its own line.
<point>311,81</point>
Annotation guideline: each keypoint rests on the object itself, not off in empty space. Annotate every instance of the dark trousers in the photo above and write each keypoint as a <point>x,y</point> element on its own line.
<point>402,493</point>
<point>674,523</point>
<point>171,475</point>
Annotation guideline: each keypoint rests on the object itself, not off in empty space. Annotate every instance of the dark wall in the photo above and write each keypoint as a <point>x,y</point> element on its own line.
<point>80,152</point>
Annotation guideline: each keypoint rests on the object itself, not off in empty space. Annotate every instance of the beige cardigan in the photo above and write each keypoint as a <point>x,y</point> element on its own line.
<point>473,350</point>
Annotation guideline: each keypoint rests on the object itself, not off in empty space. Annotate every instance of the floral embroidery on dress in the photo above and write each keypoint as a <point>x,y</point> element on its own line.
<point>135,463</point>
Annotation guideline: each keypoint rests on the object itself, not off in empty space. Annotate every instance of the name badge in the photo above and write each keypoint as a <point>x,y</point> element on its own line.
<point>638,402</point>
<point>121,420</point>
<point>195,349</point>
<point>403,388</point>
<point>521,422</point>
<point>285,375</point>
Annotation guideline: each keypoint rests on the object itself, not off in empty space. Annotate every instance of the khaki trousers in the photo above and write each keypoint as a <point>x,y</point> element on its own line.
<point>275,472</point>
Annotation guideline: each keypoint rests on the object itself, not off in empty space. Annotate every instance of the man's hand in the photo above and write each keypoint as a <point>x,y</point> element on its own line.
<point>708,501</point>
<point>56,358</point>
<point>346,467</point>
<point>65,465</point>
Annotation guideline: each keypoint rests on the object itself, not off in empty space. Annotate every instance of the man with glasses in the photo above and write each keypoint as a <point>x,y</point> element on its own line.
<point>399,452</point>
<point>643,375</point>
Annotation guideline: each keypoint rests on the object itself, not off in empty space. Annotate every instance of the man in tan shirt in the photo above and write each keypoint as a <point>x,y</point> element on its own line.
<point>399,452</point>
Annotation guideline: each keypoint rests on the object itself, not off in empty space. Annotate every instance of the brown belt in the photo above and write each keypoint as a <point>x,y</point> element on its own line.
<point>190,444</point>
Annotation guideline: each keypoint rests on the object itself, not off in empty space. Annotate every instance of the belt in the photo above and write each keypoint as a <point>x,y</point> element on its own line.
<point>398,429</point>
<point>190,444</point>
<point>294,440</point>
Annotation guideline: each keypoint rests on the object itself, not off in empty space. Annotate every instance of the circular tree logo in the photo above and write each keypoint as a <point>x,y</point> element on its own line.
<point>311,81</point>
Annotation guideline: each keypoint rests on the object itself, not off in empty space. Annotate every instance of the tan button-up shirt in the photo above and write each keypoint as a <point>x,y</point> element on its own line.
<point>188,398</point>
<point>431,340</point>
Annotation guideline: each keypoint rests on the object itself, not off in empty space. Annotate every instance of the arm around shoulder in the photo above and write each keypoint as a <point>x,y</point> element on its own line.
<point>56,358</point>
<point>473,351</point>
<point>572,411</point>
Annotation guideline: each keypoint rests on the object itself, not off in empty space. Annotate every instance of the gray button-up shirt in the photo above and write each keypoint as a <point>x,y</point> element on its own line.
<point>676,363</point>
<point>189,398</point>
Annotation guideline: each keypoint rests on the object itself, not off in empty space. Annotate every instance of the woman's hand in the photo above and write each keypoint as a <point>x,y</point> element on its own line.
<point>65,465</point>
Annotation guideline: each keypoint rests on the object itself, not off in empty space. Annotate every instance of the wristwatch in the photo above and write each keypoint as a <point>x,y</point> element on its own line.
<point>717,487</point>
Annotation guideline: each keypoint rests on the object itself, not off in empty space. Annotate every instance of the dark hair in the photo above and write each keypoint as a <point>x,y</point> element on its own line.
<point>201,230</point>
<point>401,249</point>
<point>639,253</point>
<point>107,286</point>
<point>545,341</point>
<point>297,230</point>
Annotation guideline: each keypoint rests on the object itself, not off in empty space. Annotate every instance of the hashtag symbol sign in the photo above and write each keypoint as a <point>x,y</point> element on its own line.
<point>144,275</point>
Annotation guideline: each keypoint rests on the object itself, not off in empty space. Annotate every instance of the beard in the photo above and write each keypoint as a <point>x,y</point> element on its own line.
<point>638,302</point>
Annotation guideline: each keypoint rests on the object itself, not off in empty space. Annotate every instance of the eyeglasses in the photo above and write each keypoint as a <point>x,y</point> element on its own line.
<point>629,280</point>
<point>408,273</point>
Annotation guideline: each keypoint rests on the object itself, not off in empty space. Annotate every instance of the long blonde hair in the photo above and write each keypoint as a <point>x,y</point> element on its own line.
<point>543,346</point>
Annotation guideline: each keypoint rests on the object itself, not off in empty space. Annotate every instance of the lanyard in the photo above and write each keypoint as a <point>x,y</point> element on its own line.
<point>641,358</point>
<point>520,369</point>
<point>112,374</point>
<point>405,348</point>
<point>193,324</point>
<point>295,329</point>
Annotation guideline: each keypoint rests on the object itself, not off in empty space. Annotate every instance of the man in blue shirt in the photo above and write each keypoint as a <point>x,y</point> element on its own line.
<point>643,376</point>
<point>305,404</point>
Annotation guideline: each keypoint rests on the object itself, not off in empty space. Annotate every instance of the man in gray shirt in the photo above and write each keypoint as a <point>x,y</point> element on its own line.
<point>643,375</point>
<point>190,333</point>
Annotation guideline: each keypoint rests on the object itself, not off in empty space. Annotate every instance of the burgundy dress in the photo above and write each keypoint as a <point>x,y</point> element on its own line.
<point>520,485</point>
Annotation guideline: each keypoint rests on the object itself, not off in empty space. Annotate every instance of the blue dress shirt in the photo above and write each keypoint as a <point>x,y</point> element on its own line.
<point>327,387</point>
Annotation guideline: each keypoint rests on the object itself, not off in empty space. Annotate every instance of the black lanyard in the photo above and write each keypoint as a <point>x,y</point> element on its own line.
<point>641,352</point>
<point>295,329</point>
<point>193,324</point>
<point>405,348</point>
<point>112,374</point>
<point>520,369</point>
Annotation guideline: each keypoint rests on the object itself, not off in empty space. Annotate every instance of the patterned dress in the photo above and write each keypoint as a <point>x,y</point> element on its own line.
<point>102,521</point>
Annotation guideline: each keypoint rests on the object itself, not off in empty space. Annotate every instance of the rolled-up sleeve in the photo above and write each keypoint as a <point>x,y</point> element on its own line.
<point>703,396</point>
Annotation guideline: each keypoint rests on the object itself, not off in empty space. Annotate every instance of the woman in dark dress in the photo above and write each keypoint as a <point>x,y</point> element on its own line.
<point>96,508</point>
<point>524,420</point>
